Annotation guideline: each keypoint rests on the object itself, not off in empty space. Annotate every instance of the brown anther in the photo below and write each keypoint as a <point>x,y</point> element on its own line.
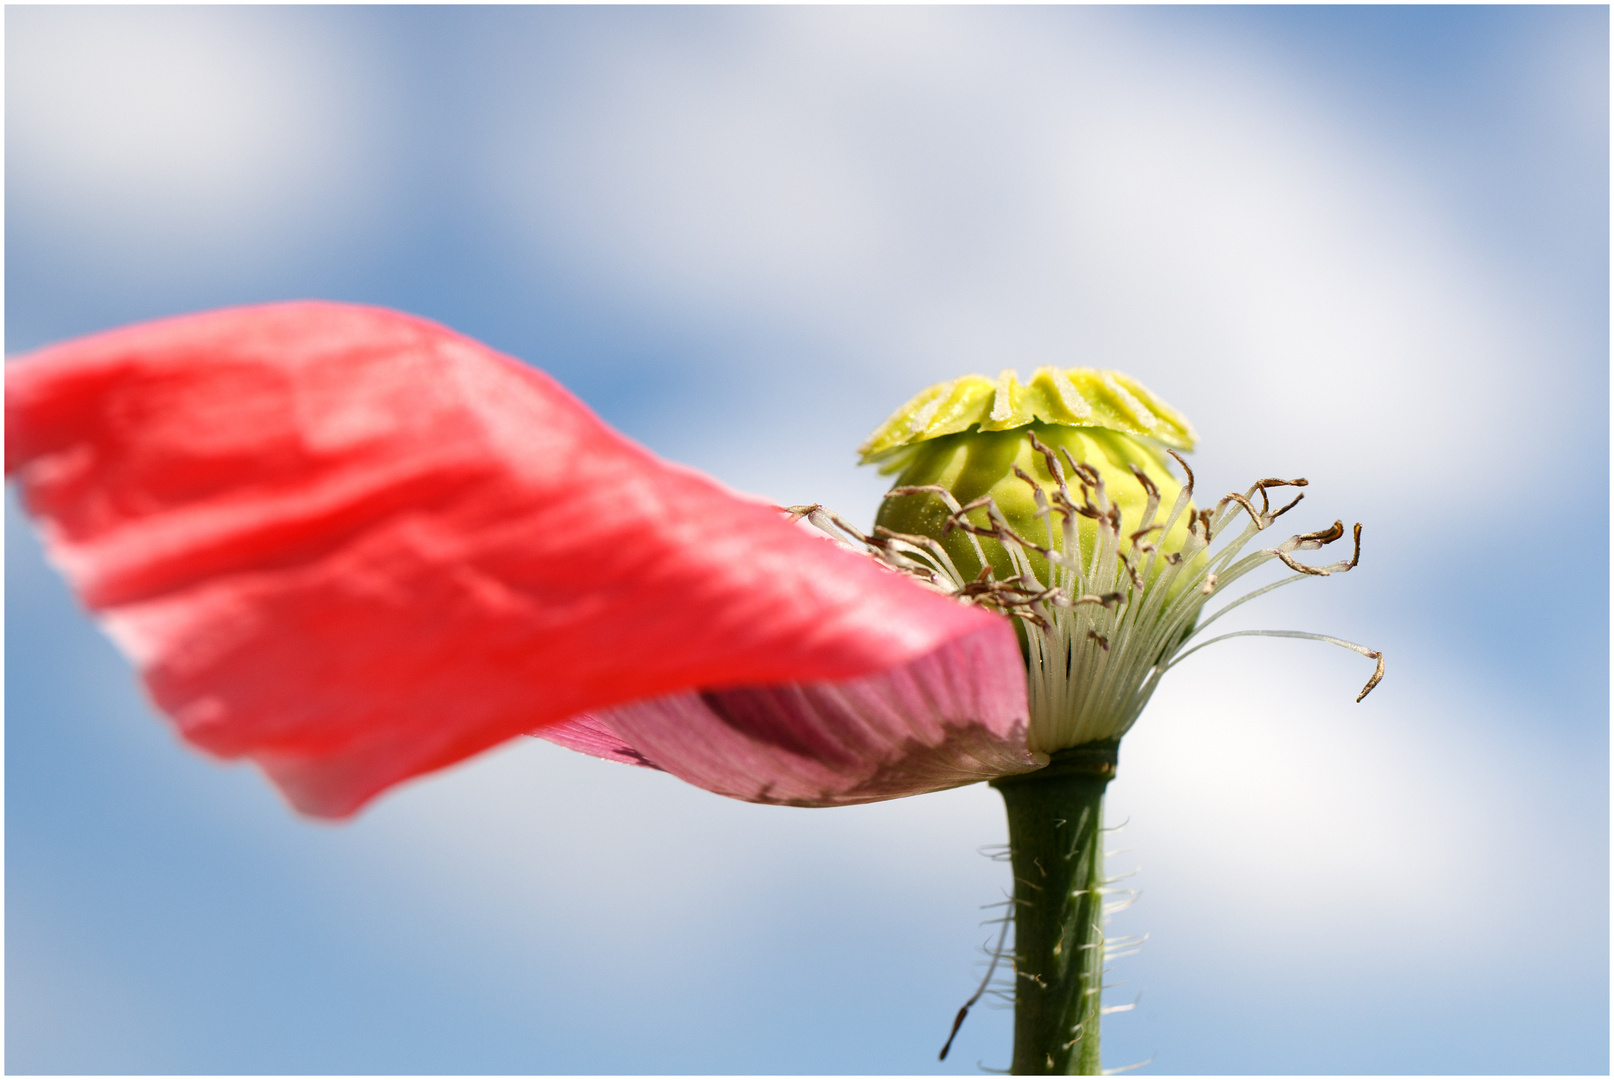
<point>1356,552</point>
<point>1143,478</point>
<point>1378,673</point>
<point>1186,469</point>
<point>1027,477</point>
<point>1003,533</point>
<point>1287,507</point>
<point>1234,497</point>
<point>1137,581</point>
<point>958,1022</point>
<point>1322,536</point>
<point>1141,533</point>
<point>1284,558</point>
<point>958,519</point>
<point>796,513</point>
<point>1104,642</point>
<point>1272,482</point>
<point>1087,474</point>
<point>1048,455</point>
<point>881,533</point>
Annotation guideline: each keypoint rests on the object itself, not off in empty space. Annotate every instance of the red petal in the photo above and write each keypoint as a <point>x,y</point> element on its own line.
<point>356,547</point>
<point>953,716</point>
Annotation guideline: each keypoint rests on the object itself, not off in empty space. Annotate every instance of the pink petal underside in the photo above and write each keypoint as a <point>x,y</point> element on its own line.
<point>953,716</point>
<point>589,734</point>
<point>355,546</point>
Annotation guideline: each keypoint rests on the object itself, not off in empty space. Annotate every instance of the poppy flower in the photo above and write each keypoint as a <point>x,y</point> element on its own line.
<point>355,547</point>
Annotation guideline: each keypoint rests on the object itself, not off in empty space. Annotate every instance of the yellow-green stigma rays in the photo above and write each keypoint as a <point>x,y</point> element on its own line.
<point>1025,500</point>
<point>1073,397</point>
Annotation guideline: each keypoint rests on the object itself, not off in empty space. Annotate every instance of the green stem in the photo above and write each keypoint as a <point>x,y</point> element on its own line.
<point>1058,857</point>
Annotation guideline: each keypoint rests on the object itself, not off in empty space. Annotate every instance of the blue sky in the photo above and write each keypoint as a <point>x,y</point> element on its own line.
<point>1364,245</point>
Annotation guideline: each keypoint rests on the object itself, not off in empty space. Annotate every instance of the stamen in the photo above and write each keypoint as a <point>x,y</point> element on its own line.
<point>1378,669</point>
<point>1378,673</point>
<point>1141,533</point>
<point>1258,519</point>
<point>1107,615</point>
<point>1149,488</point>
<point>1313,540</point>
<point>1048,455</point>
<point>1272,482</point>
<point>1189,487</point>
<point>1137,581</point>
<point>1283,556</point>
<point>1290,505</point>
<point>947,500</point>
<point>997,955</point>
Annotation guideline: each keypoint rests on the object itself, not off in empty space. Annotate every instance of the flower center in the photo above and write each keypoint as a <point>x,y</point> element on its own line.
<point>1106,587</point>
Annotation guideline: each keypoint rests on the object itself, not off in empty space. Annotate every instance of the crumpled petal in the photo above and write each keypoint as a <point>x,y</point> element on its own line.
<point>954,716</point>
<point>355,547</point>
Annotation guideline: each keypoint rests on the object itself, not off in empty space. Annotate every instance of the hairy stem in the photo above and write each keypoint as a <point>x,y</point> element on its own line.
<point>1057,852</point>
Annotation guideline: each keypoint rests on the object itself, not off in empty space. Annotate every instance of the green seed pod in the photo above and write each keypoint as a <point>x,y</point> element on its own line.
<point>970,436</point>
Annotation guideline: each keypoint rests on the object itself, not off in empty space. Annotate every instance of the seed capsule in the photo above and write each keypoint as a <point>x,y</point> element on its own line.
<point>970,436</point>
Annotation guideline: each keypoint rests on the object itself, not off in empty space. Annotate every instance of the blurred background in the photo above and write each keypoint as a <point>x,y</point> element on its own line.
<point>1364,245</point>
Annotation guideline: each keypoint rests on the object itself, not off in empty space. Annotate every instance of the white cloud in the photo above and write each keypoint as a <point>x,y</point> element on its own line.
<point>932,192</point>
<point>157,136</point>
